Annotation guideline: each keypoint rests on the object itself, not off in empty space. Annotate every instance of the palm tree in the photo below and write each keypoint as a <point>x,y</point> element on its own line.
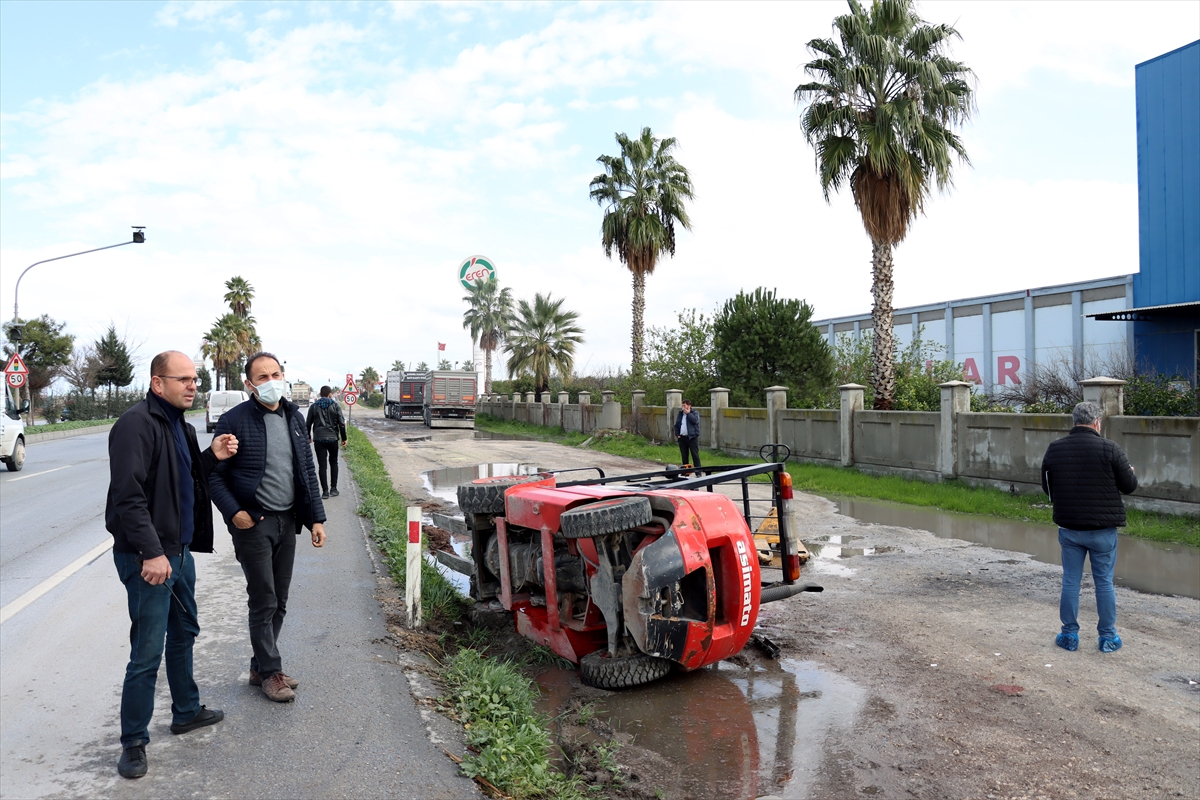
<point>239,296</point>
<point>543,338</point>
<point>220,345</point>
<point>642,192</point>
<point>370,381</point>
<point>489,312</point>
<point>880,116</point>
<point>397,366</point>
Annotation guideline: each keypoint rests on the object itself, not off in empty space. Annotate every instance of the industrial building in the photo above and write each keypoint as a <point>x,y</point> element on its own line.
<point>1151,317</point>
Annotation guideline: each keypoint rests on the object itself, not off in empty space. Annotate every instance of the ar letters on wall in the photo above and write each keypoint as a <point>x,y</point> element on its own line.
<point>1007,369</point>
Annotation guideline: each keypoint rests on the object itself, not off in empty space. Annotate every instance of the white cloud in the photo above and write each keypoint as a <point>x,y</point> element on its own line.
<point>195,11</point>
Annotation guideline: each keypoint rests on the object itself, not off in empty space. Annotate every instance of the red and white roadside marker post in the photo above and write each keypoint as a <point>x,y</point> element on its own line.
<point>412,583</point>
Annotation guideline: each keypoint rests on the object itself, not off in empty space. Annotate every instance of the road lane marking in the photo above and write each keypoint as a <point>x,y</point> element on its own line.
<point>43,472</point>
<point>54,580</point>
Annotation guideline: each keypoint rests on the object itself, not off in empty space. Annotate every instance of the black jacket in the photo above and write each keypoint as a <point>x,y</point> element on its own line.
<point>693,418</point>
<point>234,483</point>
<point>142,512</point>
<point>325,422</point>
<point>1085,475</point>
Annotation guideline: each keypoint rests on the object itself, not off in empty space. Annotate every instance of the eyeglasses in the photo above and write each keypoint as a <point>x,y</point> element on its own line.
<point>186,380</point>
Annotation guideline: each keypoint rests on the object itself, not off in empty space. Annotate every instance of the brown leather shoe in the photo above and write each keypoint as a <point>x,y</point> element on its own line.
<point>256,680</point>
<point>276,688</point>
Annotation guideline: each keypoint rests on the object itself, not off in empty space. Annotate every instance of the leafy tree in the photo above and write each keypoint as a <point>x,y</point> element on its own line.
<point>761,340</point>
<point>80,372</point>
<point>240,296</point>
<point>397,366</point>
<point>44,348</point>
<point>116,364</point>
<point>204,380</point>
<point>682,358</point>
<point>642,192</point>
<point>543,338</point>
<point>488,316</point>
<point>369,381</point>
<point>919,369</point>
<point>880,116</point>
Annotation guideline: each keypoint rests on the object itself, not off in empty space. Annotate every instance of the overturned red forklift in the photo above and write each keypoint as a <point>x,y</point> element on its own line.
<point>629,576</point>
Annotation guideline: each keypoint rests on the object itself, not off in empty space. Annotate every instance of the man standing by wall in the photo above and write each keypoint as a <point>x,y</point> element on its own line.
<point>325,428</point>
<point>159,513</point>
<point>687,433</point>
<point>1084,476</point>
<point>267,494</point>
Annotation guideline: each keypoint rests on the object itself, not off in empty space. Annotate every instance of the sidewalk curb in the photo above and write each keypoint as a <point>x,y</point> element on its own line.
<point>34,436</point>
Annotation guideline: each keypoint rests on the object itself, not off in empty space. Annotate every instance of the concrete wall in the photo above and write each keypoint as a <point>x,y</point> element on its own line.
<point>999,450</point>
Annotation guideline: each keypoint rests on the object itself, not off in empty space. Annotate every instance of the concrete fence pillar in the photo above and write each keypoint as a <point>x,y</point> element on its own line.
<point>531,397</point>
<point>852,400</point>
<point>1108,393</point>
<point>636,403</point>
<point>956,399</point>
<point>718,399</point>
<point>585,398</point>
<point>563,398</point>
<point>776,402</point>
<point>674,403</point>
<point>610,411</point>
<point>516,397</point>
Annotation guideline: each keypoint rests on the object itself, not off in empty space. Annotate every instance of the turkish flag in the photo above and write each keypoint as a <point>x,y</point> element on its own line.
<point>441,346</point>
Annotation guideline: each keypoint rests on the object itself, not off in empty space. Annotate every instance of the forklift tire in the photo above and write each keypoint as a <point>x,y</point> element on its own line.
<point>600,670</point>
<point>606,516</point>
<point>488,498</point>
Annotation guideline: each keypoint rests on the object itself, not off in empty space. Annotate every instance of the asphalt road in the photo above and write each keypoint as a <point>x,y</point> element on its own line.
<point>354,730</point>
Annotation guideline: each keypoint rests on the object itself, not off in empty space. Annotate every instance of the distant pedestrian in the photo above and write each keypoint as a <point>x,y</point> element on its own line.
<point>325,428</point>
<point>267,494</point>
<point>1084,476</point>
<point>159,513</point>
<point>687,433</point>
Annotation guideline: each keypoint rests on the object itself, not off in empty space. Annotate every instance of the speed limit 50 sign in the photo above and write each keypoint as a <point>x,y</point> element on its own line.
<point>350,398</point>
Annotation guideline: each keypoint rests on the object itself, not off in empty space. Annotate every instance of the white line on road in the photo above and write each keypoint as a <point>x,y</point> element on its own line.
<point>54,580</point>
<point>34,475</point>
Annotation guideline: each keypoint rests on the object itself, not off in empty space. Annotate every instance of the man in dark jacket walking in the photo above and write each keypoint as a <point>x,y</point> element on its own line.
<point>1084,476</point>
<point>687,433</point>
<point>325,428</point>
<point>267,494</point>
<point>159,513</point>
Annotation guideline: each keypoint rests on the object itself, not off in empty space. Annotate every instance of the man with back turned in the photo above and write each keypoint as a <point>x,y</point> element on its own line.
<point>1084,476</point>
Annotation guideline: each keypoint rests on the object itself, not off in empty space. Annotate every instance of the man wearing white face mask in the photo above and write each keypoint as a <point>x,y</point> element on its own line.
<point>267,494</point>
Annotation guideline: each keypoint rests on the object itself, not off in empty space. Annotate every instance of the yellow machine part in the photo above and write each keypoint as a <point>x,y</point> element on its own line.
<point>766,541</point>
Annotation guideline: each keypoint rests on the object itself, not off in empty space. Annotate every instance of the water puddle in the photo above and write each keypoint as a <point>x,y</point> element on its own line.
<point>505,436</point>
<point>443,483</point>
<point>738,732</point>
<point>1147,566</point>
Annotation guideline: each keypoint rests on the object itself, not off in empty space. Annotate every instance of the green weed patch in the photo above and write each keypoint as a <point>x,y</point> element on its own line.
<point>827,480</point>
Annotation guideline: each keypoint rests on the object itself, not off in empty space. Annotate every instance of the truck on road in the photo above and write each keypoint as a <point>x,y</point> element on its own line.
<point>449,399</point>
<point>403,395</point>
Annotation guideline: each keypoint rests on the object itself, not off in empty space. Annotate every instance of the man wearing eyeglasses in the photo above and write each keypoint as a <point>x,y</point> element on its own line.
<point>159,513</point>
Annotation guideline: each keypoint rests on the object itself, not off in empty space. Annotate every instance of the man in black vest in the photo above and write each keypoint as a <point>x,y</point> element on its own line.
<point>267,495</point>
<point>1084,476</point>
<point>159,513</point>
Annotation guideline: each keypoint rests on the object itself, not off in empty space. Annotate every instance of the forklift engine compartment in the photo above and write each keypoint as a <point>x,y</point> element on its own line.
<point>625,581</point>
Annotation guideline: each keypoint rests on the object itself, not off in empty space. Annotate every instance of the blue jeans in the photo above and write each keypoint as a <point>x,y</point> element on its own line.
<point>1101,548</point>
<point>166,611</point>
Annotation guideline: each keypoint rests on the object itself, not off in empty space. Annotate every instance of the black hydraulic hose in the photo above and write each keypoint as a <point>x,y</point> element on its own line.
<point>772,594</point>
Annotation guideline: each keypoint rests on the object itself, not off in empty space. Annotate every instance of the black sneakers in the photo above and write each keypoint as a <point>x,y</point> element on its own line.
<point>333,492</point>
<point>133,762</point>
<point>324,495</point>
<point>205,716</point>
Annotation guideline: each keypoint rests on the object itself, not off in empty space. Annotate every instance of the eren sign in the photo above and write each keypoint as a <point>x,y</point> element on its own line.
<point>474,269</point>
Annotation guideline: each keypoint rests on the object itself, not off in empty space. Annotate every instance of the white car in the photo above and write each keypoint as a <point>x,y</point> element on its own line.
<point>218,404</point>
<point>12,435</point>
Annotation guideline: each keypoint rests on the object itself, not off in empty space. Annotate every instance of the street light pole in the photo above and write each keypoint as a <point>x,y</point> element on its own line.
<point>139,237</point>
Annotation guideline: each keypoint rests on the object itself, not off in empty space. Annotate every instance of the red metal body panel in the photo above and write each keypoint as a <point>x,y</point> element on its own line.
<point>537,506</point>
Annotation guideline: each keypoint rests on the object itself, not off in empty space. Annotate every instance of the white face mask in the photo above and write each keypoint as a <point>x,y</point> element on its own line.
<point>270,392</point>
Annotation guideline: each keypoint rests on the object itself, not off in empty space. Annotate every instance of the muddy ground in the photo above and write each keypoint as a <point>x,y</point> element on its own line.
<point>950,683</point>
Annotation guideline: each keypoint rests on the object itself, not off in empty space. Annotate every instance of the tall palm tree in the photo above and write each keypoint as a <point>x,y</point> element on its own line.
<point>489,312</point>
<point>397,366</point>
<point>543,338</point>
<point>370,381</point>
<point>880,116</point>
<point>239,296</point>
<point>220,344</point>
<point>642,192</point>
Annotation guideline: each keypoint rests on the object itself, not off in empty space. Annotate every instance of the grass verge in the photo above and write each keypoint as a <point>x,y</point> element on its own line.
<point>826,480</point>
<point>509,743</point>
<point>71,425</point>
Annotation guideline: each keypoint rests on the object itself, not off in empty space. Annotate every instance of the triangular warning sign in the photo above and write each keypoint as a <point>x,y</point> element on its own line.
<point>15,364</point>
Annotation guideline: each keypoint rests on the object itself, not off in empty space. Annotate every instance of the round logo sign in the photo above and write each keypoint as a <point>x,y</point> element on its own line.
<point>474,269</point>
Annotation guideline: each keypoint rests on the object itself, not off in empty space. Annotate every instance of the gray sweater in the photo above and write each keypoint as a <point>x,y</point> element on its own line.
<point>277,492</point>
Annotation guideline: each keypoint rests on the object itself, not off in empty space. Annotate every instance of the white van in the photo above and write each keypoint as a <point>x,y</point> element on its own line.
<point>12,435</point>
<point>220,402</point>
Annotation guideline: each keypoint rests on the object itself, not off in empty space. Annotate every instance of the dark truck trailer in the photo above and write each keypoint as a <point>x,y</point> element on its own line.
<point>449,399</point>
<point>404,394</point>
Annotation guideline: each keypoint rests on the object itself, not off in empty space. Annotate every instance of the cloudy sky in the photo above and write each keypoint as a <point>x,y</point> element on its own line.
<point>346,157</point>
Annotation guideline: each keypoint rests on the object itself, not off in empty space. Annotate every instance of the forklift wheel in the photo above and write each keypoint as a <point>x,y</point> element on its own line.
<point>605,672</point>
<point>606,516</point>
<point>488,498</point>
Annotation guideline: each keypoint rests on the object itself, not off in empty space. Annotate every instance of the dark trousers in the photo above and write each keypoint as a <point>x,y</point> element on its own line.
<point>689,444</point>
<point>327,451</point>
<point>266,553</point>
<point>166,611</point>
